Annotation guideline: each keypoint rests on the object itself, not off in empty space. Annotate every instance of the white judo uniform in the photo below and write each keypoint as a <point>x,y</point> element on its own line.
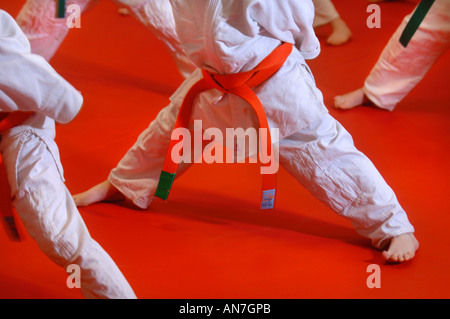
<point>399,69</point>
<point>33,167</point>
<point>45,32</point>
<point>234,36</point>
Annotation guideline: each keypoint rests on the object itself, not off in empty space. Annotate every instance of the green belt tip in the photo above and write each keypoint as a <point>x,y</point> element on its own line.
<point>164,185</point>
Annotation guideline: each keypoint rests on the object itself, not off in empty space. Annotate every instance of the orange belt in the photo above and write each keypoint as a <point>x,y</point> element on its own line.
<point>239,84</point>
<point>7,212</point>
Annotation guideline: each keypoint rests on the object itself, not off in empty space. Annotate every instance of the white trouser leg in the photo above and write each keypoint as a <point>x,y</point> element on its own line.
<point>399,69</point>
<point>38,21</point>
<point>51,218</point>
<point>157,16</point>
<point>325,161</point>
<point>137,174</point>
<point>44,30</point>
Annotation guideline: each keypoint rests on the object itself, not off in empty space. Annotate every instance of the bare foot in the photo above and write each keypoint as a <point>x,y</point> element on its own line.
<point>341,32</point>
<point>101,192</point>
<point>352,99</point>
<point>401,248</point>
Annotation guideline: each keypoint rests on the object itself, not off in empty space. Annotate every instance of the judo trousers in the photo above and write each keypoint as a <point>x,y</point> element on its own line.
<point>321,156</point>
<point>399,69</point>
<point>47,211</point>
<point>37,19</point>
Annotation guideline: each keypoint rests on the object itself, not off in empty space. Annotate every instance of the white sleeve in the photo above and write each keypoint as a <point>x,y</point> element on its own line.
<point>28,82</point>
<point>289,21</point>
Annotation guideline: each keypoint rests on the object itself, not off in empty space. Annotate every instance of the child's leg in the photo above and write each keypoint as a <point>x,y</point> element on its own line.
<point>44,30</point>
<point>325,161</point>
<point>51,218</point>
<point>157,16</point>
<point>137,174</point>
<point>326,13</point>
<point>399,69</point>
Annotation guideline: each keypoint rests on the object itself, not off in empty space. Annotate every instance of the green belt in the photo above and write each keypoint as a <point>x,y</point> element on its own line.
<point>61,10</point>
<point>416,19</point>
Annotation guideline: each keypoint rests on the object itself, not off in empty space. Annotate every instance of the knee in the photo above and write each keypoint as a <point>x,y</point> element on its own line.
<point>53,221</point>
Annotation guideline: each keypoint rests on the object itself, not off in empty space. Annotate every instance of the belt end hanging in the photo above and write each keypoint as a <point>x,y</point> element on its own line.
<point>268,199</point>
<point>164,185</point>
<point>61,9</point>
<point>414,22</point>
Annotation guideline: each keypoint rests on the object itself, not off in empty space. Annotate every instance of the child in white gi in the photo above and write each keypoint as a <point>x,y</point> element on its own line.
<point>33,168</point>
<point>399,69</point>
<point>229,37</point>
<point>46,32</point>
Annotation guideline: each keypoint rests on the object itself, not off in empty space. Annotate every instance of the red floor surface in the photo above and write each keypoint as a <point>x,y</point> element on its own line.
<point>210,240</point>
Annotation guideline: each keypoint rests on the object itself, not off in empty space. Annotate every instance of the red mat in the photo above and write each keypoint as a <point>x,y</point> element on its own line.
<point>210,240</point>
